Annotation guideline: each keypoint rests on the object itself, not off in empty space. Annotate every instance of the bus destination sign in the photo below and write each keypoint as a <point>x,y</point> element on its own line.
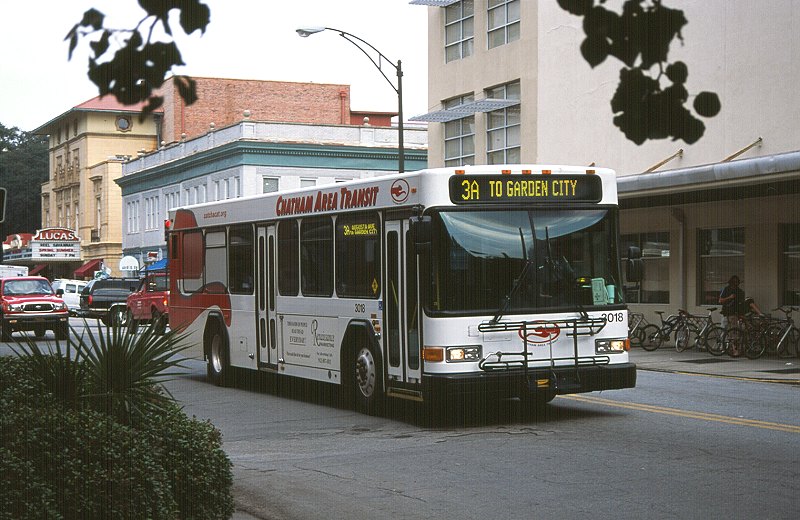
<point>468,189</point>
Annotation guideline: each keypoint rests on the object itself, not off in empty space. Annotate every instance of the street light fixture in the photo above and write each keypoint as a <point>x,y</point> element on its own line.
<point>305,32</point>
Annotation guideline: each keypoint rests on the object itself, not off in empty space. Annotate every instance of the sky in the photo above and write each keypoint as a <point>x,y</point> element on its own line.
<point>246,39</point>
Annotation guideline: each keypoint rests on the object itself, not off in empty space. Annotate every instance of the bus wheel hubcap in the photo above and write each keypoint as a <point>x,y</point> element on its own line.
<point>365,372</point>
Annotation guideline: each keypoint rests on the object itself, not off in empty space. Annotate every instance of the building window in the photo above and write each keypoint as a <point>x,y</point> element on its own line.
<point>270,184</point>
<point>791,264</point>
<point>308,183</point>
<point>654,288</point>
<point>123,123</point>
<point>503,22</point>
<point>459,135</point>
<point>503,127</point>
<point>721,256</point>
<point>459,28</point>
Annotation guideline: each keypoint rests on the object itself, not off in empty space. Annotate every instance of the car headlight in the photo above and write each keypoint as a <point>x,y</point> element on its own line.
<point>611,346</point>
<point>15,307</point>
<point>60,306</point>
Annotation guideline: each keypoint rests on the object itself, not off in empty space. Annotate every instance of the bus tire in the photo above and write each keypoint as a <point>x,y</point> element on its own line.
<point>367,371</point>
<point>217,356</point>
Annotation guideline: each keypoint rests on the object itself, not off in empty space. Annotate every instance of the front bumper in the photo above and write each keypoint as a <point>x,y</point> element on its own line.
<point>516,383</point>
<point>31,321</point>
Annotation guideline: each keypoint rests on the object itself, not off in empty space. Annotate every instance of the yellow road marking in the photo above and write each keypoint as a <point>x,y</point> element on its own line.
<point>703,416</point>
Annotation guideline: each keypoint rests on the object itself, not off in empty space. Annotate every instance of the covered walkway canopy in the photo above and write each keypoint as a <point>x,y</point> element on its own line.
<point>35,270</point>
<point>157,266</point>
<point>88,268</point>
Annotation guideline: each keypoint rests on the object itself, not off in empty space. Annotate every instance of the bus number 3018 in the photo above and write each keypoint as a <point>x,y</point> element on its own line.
<point>614,317</point>
<point>361,308</point>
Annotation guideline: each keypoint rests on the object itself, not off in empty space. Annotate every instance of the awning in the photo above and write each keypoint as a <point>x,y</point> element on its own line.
<point>35,270</point>
<point>467,109</point>
<point>433,3</point>
<point>157,266</point>
<point>88,268</point>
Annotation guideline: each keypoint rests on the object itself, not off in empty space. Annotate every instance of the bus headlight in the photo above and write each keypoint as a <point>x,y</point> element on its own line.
<point>463,354</point>
<point>611,346</point>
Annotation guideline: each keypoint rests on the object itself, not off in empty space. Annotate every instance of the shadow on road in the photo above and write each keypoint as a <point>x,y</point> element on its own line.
<point>475,413</point>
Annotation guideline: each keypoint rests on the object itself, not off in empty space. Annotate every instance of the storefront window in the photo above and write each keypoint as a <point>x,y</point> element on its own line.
<point>791,264</point>
<point>721,256</point>
<point>654,287</point>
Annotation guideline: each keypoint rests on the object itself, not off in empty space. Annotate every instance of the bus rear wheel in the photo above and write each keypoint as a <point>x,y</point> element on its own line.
<point>217,357</point>
<point>368,381</point>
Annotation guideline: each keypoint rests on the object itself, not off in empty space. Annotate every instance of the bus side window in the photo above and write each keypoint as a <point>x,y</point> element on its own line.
<point>192,260</point>
<point>240,259</point>
<point>316,256</point>
<point>358,255</point>
<point>288,258</point>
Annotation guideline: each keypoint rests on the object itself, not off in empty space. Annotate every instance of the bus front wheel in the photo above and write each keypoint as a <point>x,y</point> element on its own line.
<point>368,381</point>
<point>218,363</point>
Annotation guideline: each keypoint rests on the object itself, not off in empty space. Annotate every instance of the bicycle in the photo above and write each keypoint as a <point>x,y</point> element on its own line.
<point>747,336</point>
<point>636,324</point>
<point>654,336</point>
<point>780,337</point>
<point>707,334</point>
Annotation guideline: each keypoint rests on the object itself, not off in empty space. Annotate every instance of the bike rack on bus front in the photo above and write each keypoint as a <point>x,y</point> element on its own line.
<point>584,326</point>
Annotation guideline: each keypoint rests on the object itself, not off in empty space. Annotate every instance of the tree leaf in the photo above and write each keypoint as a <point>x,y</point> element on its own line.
<point>194,16</point>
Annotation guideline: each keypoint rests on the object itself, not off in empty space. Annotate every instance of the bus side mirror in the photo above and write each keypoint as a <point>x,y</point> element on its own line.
<point>634,268</point>
<point>420,231</point>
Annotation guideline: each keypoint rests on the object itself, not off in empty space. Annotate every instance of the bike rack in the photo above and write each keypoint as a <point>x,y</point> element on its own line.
<point>584,326</point>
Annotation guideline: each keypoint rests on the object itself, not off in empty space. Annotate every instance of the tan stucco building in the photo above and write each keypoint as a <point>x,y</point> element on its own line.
<point>508,83</point>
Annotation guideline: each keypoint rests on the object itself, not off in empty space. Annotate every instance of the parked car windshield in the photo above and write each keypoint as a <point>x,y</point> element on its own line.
<point>18,287</point>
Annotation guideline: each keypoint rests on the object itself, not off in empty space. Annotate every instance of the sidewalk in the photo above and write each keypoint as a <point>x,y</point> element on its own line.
<point>766,368</point>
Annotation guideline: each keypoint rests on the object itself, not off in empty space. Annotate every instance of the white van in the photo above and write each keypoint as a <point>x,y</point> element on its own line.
<point>72,292</point>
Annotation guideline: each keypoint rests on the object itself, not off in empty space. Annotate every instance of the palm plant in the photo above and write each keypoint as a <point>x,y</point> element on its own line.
<point>109,370</point>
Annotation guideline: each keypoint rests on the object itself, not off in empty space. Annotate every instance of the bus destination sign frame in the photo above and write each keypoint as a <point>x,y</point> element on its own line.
<point>528,189</point>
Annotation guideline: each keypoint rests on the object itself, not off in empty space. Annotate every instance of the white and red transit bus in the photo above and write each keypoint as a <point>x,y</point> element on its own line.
<point>468,282</point>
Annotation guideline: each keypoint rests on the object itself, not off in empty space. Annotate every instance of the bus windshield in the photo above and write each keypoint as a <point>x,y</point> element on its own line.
<point>522,261</point>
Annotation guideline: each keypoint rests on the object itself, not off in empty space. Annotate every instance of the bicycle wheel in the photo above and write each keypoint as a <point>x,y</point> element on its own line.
<point>636,337</point>
<point>651,337</point>
<point>787,347</point>
<point>733,339</point>
<point>681,338</point>
<point>713,341</point>
<point>755,348</point>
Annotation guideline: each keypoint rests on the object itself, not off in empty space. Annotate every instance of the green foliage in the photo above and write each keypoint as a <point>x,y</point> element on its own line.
<point>59,373</point>
<point>85,432</point>
<point>121,369</point>
<point>200,472</point>
<point>23,168</point>
<point>640,37</point>
<point>138,66</point>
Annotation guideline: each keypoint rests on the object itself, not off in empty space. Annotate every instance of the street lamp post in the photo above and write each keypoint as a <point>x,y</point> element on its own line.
<point>358,42</point>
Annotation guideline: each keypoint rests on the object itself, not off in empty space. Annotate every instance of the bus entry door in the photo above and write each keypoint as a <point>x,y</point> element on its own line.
<point>265,298</point>
<point>401,306</point>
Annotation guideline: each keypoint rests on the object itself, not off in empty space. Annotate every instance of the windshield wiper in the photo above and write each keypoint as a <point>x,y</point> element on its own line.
<point>517,282</point>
